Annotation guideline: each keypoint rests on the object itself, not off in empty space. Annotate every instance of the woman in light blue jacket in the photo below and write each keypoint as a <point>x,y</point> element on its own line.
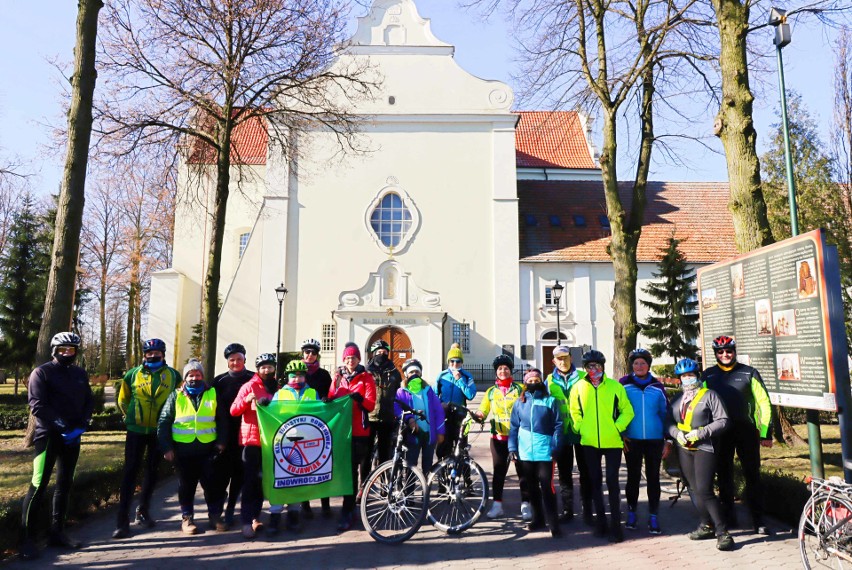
<point>535,434</point>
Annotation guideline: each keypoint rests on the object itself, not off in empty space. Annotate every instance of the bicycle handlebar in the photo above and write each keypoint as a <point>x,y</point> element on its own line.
<point>409,410</point>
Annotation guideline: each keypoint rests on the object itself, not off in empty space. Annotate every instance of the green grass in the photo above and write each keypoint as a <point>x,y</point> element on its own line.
<point>99,450</point>
<point>9,387</point>
<point>796,460</point>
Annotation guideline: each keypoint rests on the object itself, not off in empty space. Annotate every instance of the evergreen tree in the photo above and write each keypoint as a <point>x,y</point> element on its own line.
<point>674,320</point>
<point>24,266</point>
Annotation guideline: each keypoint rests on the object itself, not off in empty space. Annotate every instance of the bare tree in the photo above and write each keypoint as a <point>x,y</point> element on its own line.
<point>602,55</point>
<point>198,69</point>
<point>841,152</point>
<point>72,196</point>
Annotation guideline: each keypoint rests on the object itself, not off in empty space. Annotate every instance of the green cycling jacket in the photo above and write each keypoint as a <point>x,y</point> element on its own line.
<point>601,414</point>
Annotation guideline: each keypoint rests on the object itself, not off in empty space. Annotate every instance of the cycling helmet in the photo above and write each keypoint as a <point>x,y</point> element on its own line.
<point>312,343</point>
<point>411,364</point>
<point>265,358</point>
<point>685,366</point>
<point>503,360</point>
<point>153,344</point>
<point>640,353</point>
<point>234,348</point>
<point>65,339</point>
<point>594,356</point>
<point>724,342</point>
<point>296,366</point>
<point>378,345</point>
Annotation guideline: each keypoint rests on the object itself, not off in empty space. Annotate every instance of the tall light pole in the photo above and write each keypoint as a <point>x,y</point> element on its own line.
<point>783,36</point>
<point>280,292</point>
<point>556,293</point>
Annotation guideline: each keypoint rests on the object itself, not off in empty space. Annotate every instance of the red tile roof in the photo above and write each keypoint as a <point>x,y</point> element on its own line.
<point>543,139</point>
<point>551,139</point>
<point>249,143</point>
<point>697,212</point>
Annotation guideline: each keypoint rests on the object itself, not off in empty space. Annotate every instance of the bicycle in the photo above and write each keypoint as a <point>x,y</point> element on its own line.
<point>396,496</point>
<point>458,487</point>
<point>825,528</point>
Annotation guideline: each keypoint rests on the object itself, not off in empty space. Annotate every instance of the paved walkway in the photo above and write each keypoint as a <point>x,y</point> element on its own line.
<point>489,545</point>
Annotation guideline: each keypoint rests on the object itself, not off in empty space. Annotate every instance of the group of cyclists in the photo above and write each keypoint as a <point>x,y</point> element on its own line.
<point>544,425</point>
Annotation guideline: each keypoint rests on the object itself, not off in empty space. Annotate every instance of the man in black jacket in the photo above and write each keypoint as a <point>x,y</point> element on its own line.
<point>229,463</point>
<point>60,399</point>
<point>388,381</point>
<point>319,379</point>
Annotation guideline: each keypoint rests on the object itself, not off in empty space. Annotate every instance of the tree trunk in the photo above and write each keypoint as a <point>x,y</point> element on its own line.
<point>217,235</point>
<point>787,434</point>
<point>129,361</point>
<point>72,196</point>
<point>622,254</point>
<point>735,126</point>
<point>103,365</point>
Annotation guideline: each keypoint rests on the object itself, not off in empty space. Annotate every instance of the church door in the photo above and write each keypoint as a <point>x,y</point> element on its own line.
<point>399,342</point>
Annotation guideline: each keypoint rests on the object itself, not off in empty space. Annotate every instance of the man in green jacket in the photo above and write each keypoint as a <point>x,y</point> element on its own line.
<point>143,393</point>
<point>559,383</point>
<point>600,412</point>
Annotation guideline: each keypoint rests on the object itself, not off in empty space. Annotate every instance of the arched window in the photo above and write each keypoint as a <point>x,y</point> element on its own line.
<point>551,335</point>
<point>391,220</point>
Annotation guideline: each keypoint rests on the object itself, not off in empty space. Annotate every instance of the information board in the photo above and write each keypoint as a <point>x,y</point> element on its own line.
<point>780,304</point>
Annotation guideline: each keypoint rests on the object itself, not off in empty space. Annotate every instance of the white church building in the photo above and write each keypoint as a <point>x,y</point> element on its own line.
<point>452,229</point>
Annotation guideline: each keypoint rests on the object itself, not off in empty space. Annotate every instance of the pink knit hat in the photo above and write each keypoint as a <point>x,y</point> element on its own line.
<point>351,349</point>
<point>532,373</point>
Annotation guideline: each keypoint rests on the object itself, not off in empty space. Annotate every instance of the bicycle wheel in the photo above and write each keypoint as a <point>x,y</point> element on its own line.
<point>825,532</point>
<point>394,508</point>
<point>457,497</point>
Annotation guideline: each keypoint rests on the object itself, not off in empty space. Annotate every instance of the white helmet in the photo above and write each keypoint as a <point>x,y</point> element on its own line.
<point>65,339</point>
<point>312,343</point>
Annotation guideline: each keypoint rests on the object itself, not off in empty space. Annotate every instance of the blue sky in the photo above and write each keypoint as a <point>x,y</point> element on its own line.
<point>34,33</point>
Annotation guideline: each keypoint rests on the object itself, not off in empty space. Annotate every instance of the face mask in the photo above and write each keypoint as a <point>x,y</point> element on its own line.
<point>65,359</point>
<point>535,388</point>
<point>381,358</point>
<point>415,384</point>
<point>194,388</point>
<point>596,374</point>
<point>689,382</point>
<point>154,362</point>
<point>267,378</point>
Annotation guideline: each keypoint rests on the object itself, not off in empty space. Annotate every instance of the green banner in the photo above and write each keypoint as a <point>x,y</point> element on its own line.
<point>306,449</point>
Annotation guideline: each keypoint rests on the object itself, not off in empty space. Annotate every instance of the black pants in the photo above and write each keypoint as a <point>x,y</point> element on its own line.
<point>613,465</point>
<point>565,464</point>
<point>381,439</point>
<point>360,451</point>
<point>743,438</point>
<point>252,492</point>
<point>500,463</point>
<point>651,452</point>
<point>138,446</point>
<point>699,467</point>
<point>452,425</point>
<point>539,478</point>
<point>228,476</point>
<point>194,469</point>
<point>50,450</point>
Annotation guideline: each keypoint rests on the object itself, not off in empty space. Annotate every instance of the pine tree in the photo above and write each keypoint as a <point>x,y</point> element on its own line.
<point>674,320</point>
<point>23,281</point>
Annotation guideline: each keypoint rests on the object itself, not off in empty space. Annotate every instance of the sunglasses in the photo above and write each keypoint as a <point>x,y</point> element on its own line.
<point>594,366</point>
<point>310,351</point>
<point>455,361</point>
<point>726,351</point>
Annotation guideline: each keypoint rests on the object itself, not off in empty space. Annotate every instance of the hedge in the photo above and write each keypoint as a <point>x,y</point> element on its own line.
<point>92,490</point>
<point>14,413</point>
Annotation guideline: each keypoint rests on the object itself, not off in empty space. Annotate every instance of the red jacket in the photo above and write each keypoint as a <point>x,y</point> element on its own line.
<point>249,430</point>
<point>363,383</point>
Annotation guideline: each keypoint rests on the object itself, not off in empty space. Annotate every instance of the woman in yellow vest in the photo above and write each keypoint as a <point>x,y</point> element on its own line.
<point>498,401</point>
<point>191,432</point>
<point>291,388</point>
<point>697,415</point>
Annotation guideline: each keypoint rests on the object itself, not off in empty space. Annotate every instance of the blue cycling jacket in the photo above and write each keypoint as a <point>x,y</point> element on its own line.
<point>649,404</point>
<point>535,431</point>
<point>452,391</point>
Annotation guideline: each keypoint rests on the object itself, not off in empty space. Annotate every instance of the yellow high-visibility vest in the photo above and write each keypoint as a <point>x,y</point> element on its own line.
<point>686,424</point>
<point>191,424</point>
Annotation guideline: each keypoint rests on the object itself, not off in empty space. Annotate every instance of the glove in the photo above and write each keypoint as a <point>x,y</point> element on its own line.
<point>357,397</point>
<point>681,439</point>
<point>693,436</point>
<point>263,401</point>
<point>513,456</point>
<point>73,436</point>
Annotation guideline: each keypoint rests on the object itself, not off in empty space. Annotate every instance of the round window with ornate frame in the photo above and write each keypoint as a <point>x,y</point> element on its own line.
<point>392,218</point>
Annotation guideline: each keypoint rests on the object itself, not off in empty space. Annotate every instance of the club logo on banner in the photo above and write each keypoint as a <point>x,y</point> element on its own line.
<point>302,448</point>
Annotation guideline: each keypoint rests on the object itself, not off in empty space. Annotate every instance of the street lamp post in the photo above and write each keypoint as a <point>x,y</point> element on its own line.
<point>556,293</point>
<point>783,36</point>
<point>280,292</point>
